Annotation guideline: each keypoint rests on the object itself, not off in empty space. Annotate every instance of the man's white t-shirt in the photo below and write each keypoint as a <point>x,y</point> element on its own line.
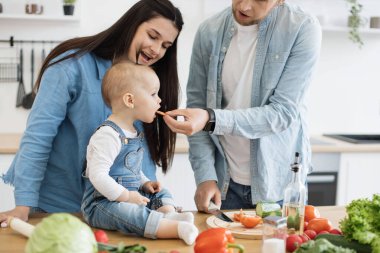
<point>237,74</point>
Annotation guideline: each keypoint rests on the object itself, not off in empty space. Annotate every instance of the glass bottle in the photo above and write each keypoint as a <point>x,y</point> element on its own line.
<point>294,200</point>
<point>274,234</point>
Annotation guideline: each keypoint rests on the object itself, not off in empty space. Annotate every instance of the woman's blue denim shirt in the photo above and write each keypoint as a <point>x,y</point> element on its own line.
<point>46,171</point>
<point>287,51</point>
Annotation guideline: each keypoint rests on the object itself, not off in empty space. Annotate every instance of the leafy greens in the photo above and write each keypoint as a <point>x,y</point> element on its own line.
<point>363,222</point>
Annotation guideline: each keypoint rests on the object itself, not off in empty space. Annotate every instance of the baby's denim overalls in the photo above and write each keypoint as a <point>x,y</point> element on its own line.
<point>128,218</point>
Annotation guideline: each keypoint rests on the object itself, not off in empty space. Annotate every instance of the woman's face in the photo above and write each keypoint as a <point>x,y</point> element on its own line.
<point>151,40</point>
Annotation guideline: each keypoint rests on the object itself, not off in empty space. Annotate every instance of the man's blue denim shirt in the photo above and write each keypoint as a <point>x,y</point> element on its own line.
<point>288,48</point>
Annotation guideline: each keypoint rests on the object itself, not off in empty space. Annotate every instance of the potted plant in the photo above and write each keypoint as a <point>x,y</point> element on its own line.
<point>355,21</point>
<point>68,7</point>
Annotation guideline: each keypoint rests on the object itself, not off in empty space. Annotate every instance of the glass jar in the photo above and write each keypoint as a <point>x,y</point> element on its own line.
<point>274,234</point>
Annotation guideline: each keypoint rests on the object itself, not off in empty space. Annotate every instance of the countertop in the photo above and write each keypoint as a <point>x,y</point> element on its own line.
<point>12,242</point>
<point>9,143</point>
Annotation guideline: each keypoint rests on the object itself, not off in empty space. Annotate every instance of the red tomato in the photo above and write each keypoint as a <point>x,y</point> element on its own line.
<point>305,223</point>
<point>293,242</point>
<point>237,216</point>
<point>311,234</point>
<point>101,236</point>
<point>311,212</point>
<point>323,232</point>
<point>250,221</point>
<point>335,231</point>
<point>304,238</point>
<point>319,224</point>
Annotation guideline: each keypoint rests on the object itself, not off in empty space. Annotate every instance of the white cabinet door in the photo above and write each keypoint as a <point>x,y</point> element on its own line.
<point>180,182</point>
<point>359,176</point>
<point>7,201</point>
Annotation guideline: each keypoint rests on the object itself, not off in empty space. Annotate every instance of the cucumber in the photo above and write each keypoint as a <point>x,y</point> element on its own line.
<point>340,240</point>
<point>264,209</point>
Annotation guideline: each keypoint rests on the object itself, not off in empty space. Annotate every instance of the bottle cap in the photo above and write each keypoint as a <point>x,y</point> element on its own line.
<point>295,165</point>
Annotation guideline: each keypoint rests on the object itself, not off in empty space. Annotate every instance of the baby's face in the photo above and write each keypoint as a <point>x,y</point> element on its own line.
<point>147,101</point>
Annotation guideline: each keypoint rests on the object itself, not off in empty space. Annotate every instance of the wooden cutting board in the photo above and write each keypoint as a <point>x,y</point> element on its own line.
<point>237,229</point>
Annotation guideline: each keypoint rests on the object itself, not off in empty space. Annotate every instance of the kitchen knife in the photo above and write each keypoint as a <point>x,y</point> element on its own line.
<point>214,209</point>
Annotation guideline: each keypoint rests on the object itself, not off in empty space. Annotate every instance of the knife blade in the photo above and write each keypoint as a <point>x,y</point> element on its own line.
<point>214,209</point>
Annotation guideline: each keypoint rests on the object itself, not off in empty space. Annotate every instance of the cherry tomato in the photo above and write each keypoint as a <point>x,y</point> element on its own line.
<point>249,221</point>
<point>311,212</point>
<point>101,236</point>
<point>310,233</point>
<point>319,224</point>
<point>304,238</point>
<point>293,242</point>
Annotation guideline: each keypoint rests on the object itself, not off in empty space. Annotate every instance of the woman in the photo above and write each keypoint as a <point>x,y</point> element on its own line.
<point>46,171</point>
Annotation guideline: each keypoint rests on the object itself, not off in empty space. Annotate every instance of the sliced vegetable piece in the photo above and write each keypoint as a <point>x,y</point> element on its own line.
<point>264,209</point>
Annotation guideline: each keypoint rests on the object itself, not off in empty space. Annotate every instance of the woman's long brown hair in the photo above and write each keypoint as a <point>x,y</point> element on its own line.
<point>115,42</point>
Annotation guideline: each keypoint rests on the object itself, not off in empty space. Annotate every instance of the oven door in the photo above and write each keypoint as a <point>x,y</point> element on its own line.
<point>322,188</point>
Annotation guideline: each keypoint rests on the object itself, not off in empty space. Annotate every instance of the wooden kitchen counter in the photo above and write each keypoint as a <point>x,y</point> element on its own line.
<point>9,144</point>
<point>12,242</point>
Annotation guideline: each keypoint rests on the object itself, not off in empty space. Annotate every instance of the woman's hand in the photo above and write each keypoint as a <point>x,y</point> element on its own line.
<point>195,120</point>
<point>21,212</point>
<point>152,187</point>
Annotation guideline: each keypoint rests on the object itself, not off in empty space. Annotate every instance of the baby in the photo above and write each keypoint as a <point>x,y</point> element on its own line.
<point>118,196</point>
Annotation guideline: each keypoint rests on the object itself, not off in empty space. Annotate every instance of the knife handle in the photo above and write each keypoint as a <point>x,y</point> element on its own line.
<point>213,206</point>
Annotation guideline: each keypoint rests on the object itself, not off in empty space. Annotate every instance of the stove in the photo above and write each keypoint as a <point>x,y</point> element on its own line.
<point>356,138</point>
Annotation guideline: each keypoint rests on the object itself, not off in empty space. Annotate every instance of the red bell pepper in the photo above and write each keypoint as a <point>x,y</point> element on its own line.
<point>216,240</point>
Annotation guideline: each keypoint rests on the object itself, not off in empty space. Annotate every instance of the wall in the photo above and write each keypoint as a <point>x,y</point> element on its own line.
<point>344,95</point>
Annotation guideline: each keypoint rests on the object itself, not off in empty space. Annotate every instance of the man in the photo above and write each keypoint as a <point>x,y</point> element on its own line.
<point>251,68</point>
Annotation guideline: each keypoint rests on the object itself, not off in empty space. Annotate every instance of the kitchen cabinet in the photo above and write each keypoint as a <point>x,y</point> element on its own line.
<point>359,175</point>
<point>180,181</point>
<point>6,191</point>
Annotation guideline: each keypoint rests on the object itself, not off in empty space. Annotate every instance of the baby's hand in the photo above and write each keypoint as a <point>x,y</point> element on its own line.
<point>137,198</point>
<point>152,187</point>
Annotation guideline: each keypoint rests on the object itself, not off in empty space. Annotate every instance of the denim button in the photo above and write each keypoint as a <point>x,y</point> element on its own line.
<point>224,49</point>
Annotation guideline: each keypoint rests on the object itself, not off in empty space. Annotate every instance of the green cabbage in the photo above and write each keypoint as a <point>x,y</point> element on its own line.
<point>61,233</point>
<point>363,222</point>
